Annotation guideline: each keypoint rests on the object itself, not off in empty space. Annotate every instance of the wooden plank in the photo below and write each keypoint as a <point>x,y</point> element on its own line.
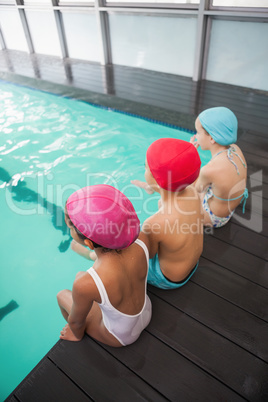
<point>253,145</point>
<point>170,373</point>
<point>242,328</point>
<point>256,163</point>
<point>218,356</point>
<point>47,383</point>
<point>11,399</point>
<point>255,217</point>
<point>253,135</point>
<point>243,238</point>
<point>233,288</point>
<point>252,98</point>
<point>256,208</point>
<point>238,104</point>
<point>100,374</point>
<point>236,260</point>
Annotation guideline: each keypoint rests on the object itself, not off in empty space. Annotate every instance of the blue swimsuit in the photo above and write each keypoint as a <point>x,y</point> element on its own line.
<point>158,279</point>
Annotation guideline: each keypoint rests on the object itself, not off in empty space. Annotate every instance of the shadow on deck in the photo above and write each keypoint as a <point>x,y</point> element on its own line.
<point>207,340</point>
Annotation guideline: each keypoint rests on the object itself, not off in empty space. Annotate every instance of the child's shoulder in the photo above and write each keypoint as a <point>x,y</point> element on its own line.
<point>209,169</point>
<point>238,150</point>
<point>154,223</point>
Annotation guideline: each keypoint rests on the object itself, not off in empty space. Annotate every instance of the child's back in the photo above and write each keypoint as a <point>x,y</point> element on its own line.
<point>180,239</point>
<point>222,182</point>
<point>124,277</point>
<point>225,182</point>
<point>109,300</point>
<point>175,232</point>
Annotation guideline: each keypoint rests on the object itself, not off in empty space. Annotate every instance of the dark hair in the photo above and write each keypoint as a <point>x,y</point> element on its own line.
<point>83,237</point>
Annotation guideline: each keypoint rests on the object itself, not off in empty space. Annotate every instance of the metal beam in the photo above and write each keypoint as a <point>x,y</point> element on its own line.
<point>237,14</point>
<point>104,33</point>
<point>200,39</point>
<point>2,40</point>
<point>60,30</point>
<point>26,30</point>
<point>25,26</point>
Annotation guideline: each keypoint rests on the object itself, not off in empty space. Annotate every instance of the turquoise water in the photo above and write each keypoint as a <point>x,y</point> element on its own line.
<point>49,147</point>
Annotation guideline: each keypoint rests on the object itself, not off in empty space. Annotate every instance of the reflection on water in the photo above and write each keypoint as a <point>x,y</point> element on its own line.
<point>12,305</point>
<point>20,192</point>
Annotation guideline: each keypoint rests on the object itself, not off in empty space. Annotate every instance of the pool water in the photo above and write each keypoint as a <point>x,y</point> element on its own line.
<point>49,147</point>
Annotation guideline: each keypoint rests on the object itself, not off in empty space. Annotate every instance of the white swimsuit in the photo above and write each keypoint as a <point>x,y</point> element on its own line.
<point>125,328</point>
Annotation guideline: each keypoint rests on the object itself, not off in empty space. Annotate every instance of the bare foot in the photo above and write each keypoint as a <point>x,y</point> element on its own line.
<point>143,185</point>
<point>67,334</point>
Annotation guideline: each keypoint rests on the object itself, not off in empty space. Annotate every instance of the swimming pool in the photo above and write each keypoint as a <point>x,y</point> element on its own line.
<point>49,147</point>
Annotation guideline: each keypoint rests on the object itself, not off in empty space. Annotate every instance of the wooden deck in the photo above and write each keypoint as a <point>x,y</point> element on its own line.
<point>207,341</point>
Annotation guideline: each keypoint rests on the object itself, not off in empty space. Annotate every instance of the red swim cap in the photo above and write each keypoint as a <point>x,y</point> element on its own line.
<point>104,215</point>
<point>174,164</point>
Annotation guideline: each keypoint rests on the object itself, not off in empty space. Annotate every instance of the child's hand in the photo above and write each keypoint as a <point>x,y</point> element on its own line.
<point>193,141</point>
<point>92,255</point>
<point>67,334</point>
<point>143,185</point>
<point>79,249</point>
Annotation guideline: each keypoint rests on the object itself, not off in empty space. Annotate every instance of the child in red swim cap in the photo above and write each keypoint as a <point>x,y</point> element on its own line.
<point>175,231</point>
<point>109,300</point>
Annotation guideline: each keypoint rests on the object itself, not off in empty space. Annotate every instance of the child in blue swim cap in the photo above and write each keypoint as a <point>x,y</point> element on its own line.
<point>222,182</point>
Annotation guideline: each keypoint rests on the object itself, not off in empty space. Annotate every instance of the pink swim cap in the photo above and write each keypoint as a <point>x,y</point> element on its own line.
<point>104,215</point>
<point>174,164</point>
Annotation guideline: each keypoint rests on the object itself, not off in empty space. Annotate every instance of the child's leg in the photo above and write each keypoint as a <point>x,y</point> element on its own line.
<point>65,301</point>
<point>96,328</point>
<point>83,251</point>
<point>94,323</point>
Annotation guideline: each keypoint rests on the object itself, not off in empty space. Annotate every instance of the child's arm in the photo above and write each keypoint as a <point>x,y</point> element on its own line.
<point>149,231</point>
<point>143,185</point>
<point>83,251</point>
<point>204,180</point>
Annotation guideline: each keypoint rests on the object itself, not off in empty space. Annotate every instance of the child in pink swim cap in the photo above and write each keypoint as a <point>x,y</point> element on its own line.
<point>175,231</point>
<point>109,300</point>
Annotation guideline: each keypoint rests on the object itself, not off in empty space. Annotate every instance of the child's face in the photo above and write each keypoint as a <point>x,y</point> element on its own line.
<point>148,176</point>
<point>203,139</point>
<point>73,232</point>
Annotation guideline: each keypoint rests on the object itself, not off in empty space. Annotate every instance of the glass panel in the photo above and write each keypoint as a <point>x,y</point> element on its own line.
<point>12,30</point>
<point>155,1</point>
<point>240,3</point>
<point>164,44</point>
<point>82,36</point>
<point>7,2</point>
<point>75,2</point>
<point>36,2</point>
<point>44,33</point>
<point>238,54</point>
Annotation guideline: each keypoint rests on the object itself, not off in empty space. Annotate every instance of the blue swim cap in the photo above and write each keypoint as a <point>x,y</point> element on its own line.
<point>221,124</point>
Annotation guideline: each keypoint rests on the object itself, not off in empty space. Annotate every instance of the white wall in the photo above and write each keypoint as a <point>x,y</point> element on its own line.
<point>238,54</point>
<point>12,30</point>
<point>164,44</point>
<point>82,36</point>
<point>42,26</point>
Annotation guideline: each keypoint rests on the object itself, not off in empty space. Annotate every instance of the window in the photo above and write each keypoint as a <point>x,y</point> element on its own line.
<point>240,3</point>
